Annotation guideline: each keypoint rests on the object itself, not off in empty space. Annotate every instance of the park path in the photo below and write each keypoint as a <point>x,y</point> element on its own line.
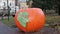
<point>7,30</point>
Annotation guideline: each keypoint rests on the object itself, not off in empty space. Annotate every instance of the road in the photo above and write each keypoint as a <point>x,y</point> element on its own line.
<point>8,30</point>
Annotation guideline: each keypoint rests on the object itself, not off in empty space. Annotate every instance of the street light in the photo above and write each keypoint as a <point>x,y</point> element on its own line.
<point>8,9</point>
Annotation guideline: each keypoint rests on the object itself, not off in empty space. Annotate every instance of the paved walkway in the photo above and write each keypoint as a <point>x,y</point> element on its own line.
<point>7,30</point>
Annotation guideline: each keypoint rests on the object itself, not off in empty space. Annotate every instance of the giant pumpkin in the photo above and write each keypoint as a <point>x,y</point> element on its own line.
<point>29,19</point>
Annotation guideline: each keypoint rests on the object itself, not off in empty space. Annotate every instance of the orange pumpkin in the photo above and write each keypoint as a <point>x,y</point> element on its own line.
<point>30,19</point>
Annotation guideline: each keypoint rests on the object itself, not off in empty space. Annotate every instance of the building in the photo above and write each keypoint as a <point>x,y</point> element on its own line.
<point>3,3</point>
<point>6,3</point>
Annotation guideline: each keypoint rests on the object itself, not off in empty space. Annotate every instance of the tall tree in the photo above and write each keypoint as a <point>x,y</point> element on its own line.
<point>47,4</point>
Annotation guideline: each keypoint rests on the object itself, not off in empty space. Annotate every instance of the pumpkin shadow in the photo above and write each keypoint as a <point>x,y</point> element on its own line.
<point>35,32</point>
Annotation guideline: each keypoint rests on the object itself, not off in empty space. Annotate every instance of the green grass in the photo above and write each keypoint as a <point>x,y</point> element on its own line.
<point>8,23</point>
<point>53,18</point>
<point>49,19</point>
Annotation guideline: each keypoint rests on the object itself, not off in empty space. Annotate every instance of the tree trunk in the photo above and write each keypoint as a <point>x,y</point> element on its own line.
<point>59,9</point>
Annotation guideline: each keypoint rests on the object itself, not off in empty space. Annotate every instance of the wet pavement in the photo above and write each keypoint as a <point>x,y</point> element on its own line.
<point>8,30</point>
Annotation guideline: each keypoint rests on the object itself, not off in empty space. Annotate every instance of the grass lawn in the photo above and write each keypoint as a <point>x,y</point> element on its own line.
<point>52,19</point>
<point>8,23</point>
<point>49,19</point>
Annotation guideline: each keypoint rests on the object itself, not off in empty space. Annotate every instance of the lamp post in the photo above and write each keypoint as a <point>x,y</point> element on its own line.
<point>8,9</point>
